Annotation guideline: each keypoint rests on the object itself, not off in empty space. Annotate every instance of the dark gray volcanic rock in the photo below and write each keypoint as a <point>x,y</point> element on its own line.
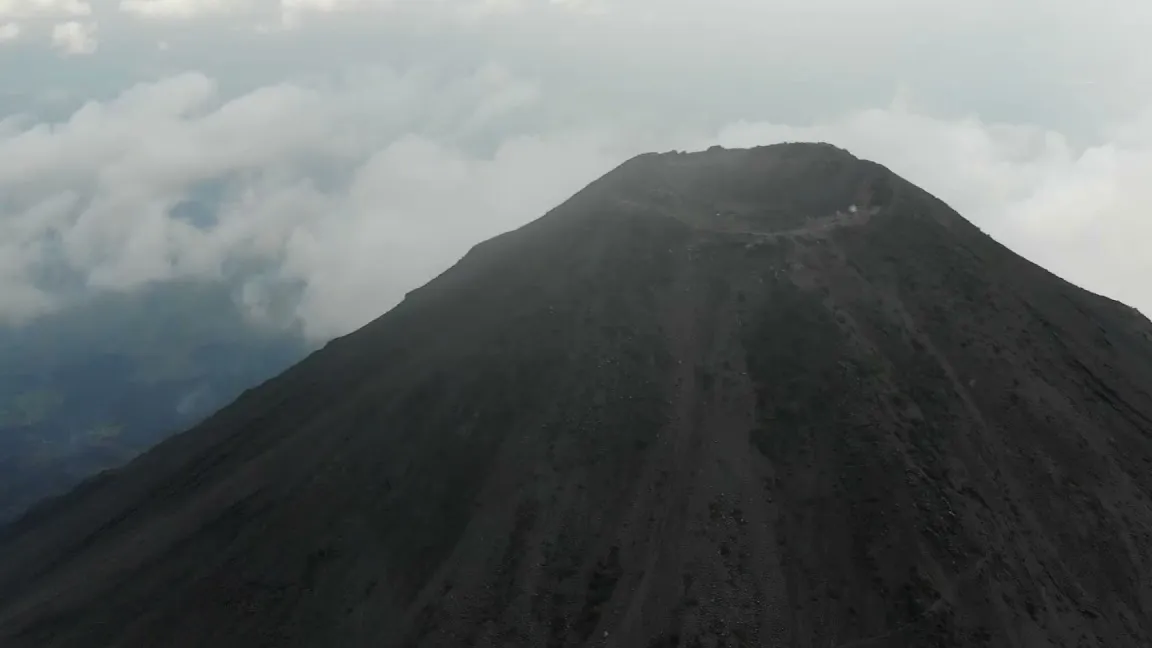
<point>771,397</point>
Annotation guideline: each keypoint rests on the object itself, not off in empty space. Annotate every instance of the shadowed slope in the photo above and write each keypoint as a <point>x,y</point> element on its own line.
<point>771,397</point>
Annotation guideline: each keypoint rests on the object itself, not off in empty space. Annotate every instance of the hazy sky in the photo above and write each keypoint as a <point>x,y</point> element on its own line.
<point>342,152</point>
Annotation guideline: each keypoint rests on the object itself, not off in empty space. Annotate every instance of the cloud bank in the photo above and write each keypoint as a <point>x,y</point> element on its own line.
<point>352,191</point>
<point>74,38</point>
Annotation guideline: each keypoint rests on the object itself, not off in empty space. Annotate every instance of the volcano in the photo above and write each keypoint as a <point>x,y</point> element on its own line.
<point>766,397</point>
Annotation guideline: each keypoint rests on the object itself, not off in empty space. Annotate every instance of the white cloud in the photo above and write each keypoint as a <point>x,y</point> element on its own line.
<point>327,6</point>
<point>483,8</point>
<point>180,9</point>
<point>115,171</point>
<point>360,188</point>
<point>24,9</point>
<point>19,17</point>
<point>74,38</point>
<point>290,13</point>
<point>295,9</point>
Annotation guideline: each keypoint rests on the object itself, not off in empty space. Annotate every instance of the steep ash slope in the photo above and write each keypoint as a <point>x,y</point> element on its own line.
<point>772,397</point>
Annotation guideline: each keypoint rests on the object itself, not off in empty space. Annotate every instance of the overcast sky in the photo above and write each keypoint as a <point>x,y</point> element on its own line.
<point>342,152</point>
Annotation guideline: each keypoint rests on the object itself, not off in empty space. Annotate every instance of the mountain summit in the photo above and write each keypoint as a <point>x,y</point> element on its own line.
<point>766,397</point>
